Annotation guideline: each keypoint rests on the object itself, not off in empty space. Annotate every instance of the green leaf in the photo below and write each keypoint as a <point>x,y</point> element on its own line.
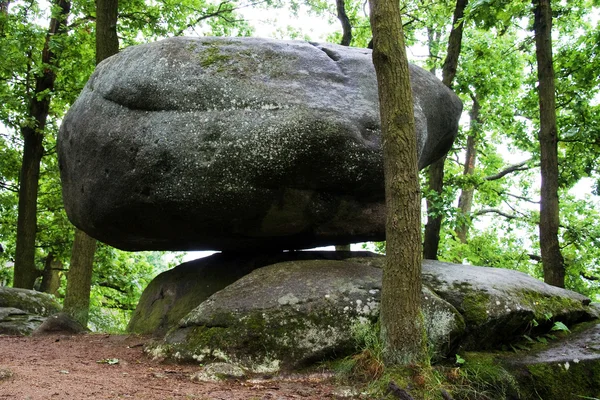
<point>559,326</point>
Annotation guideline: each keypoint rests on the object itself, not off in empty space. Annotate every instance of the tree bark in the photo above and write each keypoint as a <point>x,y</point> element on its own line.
<point>79,278</point>
<point>82,258</point>
<point>107,41</point>
<point>436,170</point>
<point>25,272</point>
<point>3,14</point>
<point>342,247</point>
<point>402,328</point>
<point>465,201</point>
<point>552,259</point>
<point>346,26</point>
<point>51,275</point>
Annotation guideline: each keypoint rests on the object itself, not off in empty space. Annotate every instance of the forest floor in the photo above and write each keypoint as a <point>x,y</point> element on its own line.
<point>100,366</point>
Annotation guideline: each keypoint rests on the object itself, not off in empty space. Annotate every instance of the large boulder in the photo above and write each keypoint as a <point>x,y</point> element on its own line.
<point>293,312</point>
<point>500,305</point>
<point>174,293</point>
<point>237,144</point>
<point>22,310</point>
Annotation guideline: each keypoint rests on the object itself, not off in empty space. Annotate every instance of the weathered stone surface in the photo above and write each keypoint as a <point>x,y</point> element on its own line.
<point>59,323</point>
<point>568,368</point>
<point>219,371</point>
<point>22,311</point>
<point>291,313</point>
<point>500,304</point>
<point>174,293</point>
<point>236,144</point>
<point>29,301</point>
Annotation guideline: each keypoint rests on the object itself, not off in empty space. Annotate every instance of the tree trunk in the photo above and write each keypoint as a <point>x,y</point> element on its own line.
<point>436,170</point>
<point>3,14</point>
<point>346,27</point>
<point>79,278</point>
<point>435,181</point>
<point>107,41</point>
<point>346,39</point>
<point>552,260</point>
<point>82,257</point>
<point>51,275</point>
<point>465,201</point>
<point>402,328</point>
<point>25,271</point>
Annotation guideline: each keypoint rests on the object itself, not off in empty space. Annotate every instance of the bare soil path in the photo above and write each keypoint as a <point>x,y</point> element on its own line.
<point>83,367</point>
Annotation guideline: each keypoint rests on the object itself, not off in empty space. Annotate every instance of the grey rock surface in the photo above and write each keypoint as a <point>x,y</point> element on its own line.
<point>237,144</point>
<point>501,304</point>
<point>22,310</point>
<point>568,367</point>
<point>59,323</point>
<point>174,293</point>
<point>295,312</point>
<point>305,308</point>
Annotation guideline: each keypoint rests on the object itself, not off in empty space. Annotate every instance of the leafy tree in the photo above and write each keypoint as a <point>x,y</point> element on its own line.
<point>402,327</point>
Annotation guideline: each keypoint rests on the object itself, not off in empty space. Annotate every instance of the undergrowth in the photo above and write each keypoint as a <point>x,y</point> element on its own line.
<point>477,377</point>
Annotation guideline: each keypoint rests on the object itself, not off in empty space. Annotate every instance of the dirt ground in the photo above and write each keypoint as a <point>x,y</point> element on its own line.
<point>114,367</point>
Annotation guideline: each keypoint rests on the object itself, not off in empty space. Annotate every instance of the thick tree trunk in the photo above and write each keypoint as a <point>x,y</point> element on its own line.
<point>82,258</point>
<point>79,278</point>
<point>552,259</point>
<point>436,170</point>
<point>33,150</point>
<point>402,328</point>
<point>465,201</point>
<point>345,21</point>
<point>51,275</point>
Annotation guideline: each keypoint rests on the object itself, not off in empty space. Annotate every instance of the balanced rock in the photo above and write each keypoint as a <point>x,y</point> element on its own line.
<point>237,144</point>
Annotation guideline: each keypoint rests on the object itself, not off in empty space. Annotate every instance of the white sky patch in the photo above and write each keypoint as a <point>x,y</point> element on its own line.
<point>274,23</point>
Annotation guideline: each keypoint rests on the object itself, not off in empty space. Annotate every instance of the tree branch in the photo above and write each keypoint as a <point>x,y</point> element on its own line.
<point>109,285</point>
<point>513,168</point>
<point>589,277</point>
<point>10,188</point>
<point>345,21</point>
<point>495,211</point>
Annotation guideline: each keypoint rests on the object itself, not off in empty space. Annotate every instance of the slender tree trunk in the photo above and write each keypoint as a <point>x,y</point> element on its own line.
<point>552,259</point>
<point>346,39</point>
<point>51,275</point>
<point>77,299</point>
<point>465,201</point>
<point>107,41</point>
<point>79,278</point>
<point>402,328</point>
<point>346,26</point>
<point>3,14</point>
<point>33,134</point>
<point>436,170</point>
